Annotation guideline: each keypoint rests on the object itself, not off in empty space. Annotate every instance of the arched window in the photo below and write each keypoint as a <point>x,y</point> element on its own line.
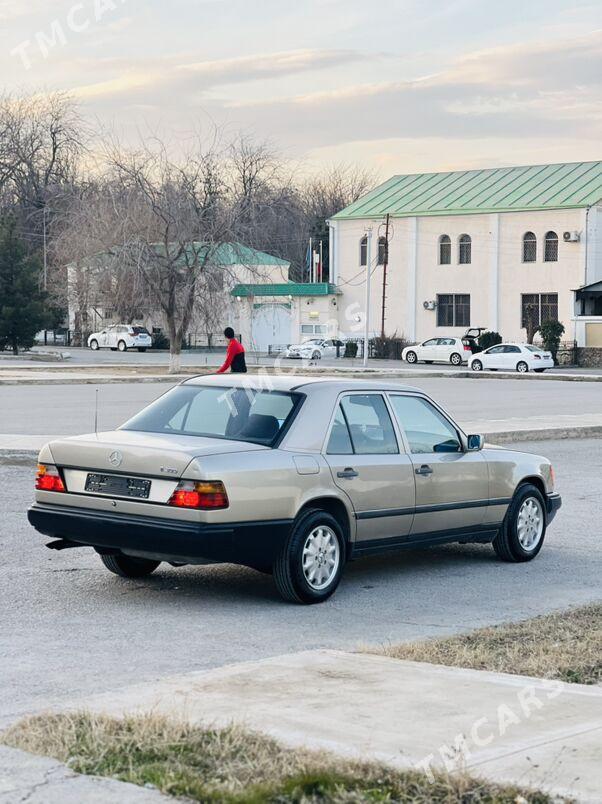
<point>465,250</point>
<point>551,249</point>
<point>364,251</point>
<point>383,251</point>
<point>445,250</point>
<point>529,247</point>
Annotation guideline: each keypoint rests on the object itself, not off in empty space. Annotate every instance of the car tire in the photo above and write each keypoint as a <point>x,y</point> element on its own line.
<point>292,574</point>
<point>122,346</point>
<point>523,531</point>
<point>128,566</point>
<point>456,359</point>
<point>539,371</point>
<point>316,356</point>
<point>412,357</point>
<point>94,346</point>
<point>476,365</point>
<point>142,348</point>
<point>522,367</point>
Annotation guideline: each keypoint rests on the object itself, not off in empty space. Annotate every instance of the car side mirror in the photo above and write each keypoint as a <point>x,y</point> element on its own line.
<point>474,443</point>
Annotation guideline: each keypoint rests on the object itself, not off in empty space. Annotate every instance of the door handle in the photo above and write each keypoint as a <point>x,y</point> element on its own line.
<point>348,473</point>
<point>424,470</point>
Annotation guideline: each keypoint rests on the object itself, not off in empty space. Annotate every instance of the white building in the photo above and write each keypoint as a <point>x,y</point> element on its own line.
<point>474,248</point>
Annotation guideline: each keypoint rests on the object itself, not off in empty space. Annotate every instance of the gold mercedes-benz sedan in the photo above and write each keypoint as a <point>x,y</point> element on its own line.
<point>290,475</point>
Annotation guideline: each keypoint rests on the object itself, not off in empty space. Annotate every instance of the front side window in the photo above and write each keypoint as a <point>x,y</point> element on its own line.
<point>495,350</point>
<point>465,249</point>
<point>364,251</point>
<point>551,247</point>
<point>370,426</point>
<point>453,310</point>
<point>426,429</point>
<point>218,412</point>
<point>529,247</point>
<point>445,250</point>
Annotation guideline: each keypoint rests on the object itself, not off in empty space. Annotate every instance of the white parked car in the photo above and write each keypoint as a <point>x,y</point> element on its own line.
<point>439,350</point>
<point>121,337</point>
<point>315,349</point>
<point>521,357</point>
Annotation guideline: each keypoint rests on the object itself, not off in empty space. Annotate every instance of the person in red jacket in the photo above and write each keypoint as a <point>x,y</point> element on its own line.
<point>235,355</point>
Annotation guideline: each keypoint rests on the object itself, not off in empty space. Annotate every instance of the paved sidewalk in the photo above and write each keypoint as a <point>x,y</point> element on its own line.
<point>38,780</point>
<point>544,735</point>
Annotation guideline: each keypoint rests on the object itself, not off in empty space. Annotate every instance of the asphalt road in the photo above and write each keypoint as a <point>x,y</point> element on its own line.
<point>69,409</point>
<point>70,628</point>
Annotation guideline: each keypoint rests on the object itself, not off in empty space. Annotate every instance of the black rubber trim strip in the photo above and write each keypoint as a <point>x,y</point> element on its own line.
<point>431,509</point>
<point>479,533</point>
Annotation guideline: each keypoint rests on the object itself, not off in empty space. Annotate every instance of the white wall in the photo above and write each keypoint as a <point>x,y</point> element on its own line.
<point>495,279</point>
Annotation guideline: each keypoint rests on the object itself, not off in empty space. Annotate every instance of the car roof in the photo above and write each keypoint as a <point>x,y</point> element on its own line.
<point>297,382</point>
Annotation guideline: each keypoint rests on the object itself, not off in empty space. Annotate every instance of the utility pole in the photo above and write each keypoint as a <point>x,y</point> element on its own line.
<point>385,266</point>
<point>367,314</point>
<point>45,250</point>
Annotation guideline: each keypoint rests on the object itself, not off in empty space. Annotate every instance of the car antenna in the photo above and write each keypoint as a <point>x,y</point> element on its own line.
<point>96,414</point>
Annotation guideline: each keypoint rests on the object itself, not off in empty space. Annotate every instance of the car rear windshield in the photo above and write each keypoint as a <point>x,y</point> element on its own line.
<point>239,414</point>
<point>140,331</point>
<point>533,348</point>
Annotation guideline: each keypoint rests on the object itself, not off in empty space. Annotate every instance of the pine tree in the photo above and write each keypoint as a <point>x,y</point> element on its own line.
<point>22,304</point>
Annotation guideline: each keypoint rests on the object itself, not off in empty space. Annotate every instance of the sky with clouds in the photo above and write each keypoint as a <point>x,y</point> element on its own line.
<point>396,85</point>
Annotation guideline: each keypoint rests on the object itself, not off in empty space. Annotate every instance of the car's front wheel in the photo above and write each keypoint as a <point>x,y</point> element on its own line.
<point>316,355</point>
<point>310,565</point>
<point>476,365</point>
<point>128,566</point>
<point>412,357</point>
<point>94,346</point>
<point>523,531</point>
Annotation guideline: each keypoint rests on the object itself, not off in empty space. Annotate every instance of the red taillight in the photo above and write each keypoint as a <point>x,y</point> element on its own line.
<point>467,348</point>
<point>206,495</point>
<point>49,479</point>
<point>537,357</point>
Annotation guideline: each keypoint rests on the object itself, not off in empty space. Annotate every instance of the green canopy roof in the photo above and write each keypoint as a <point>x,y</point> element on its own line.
<point>513,189</point>
<point>285,289</point>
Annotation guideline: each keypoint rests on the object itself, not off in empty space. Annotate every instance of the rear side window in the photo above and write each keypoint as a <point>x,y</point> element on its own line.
<point>339,442</point>
<point>426,429</point>
<point>370,426</point>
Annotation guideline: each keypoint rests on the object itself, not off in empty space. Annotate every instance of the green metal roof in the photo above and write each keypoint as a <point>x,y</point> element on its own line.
<point>226,254</point>
<point>285,289</point>
<point>533,187</point>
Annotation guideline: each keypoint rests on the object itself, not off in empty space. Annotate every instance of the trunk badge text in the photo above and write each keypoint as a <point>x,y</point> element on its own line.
<point>168,470</point>
<point>116,458</point>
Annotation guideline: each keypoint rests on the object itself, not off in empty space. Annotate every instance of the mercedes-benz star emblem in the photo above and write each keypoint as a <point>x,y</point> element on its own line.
<point>115,458</point>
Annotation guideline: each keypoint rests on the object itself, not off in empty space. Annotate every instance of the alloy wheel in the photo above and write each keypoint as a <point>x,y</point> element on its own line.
<point>321,557</point>
<point>530,524</point>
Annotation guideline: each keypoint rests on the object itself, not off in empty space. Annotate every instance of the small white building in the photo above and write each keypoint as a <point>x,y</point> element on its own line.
<point>473,248</point>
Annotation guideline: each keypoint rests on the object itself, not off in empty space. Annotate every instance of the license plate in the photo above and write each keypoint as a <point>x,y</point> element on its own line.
<point>118,486</point>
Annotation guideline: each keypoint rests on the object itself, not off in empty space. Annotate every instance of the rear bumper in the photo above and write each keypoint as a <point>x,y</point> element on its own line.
<point>254,544</point>
<point>553,504</point>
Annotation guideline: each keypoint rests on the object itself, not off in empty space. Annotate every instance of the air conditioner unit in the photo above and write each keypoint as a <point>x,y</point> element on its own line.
<point>429,305</point>
<point>571,237</point>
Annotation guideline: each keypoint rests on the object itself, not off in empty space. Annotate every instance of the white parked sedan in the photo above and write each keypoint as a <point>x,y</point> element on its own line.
<point>315,349</point>
<point>121,337</point>
<point>521,357</point>
<point>439,350</point>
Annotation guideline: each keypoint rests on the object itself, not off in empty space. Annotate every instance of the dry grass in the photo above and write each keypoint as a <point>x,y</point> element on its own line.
<point>565,646</point>
<point>232,766</point>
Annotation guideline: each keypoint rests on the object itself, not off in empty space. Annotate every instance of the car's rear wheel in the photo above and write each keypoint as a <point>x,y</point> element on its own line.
<point>128,566</point>
<point>522,367</point>
<point>523,531</point>
<point>412,357</point>
<point>455,359</point>
<point>310,565</point>
<point>94,346</point>
<point>476,365</point>
<point>122,346</point>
